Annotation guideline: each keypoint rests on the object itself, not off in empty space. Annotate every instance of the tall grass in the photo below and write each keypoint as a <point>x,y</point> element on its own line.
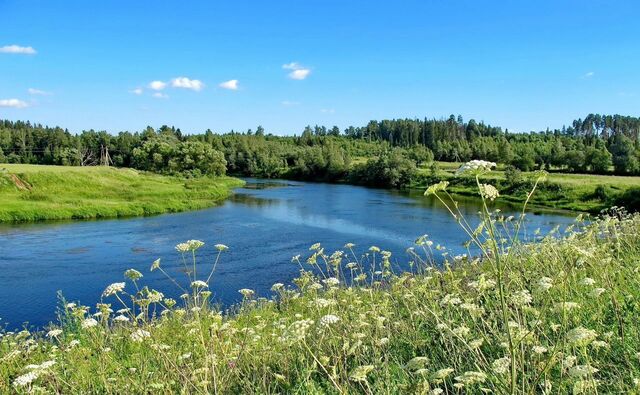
<point>555,316</point>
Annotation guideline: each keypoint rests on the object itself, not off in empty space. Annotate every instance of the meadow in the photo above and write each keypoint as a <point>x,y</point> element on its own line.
<point>553,314</point>
<point>568,191</point>
<point>36,192</point>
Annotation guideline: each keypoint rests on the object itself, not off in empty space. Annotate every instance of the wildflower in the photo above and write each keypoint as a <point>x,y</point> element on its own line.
<point>539,349</point>
<point>383,341</point>
<point>349,245</point>
<point>471,377</point>
<point>582,370</point>
<point>329,319</point>
<point>581,336</point>
<point>477,343</point>
<point>121,318</point>
<point>501,365</point>
<point>182,247</point>
<point>315,246</point>
<point>351,265</point>
<point>597,292</point>
<point>88,323</point>
<point>374,249</point>
<point>450,300</point>
<point>277,286</point>
<point>133,274</point>
<point>71,305</point>
<point>436,391</point>
<point>54,333</point>
<point>569,361</point>
<point>247,293</point>
<point>461,331</point>
<point>199,284</point>
<point>139,335</point>
<point>416,363</point>
<point>599,344</point>
<point>545,283</point>
<point>587,281</point>
<point>331,281</point>
<point>488,191</point>
<point>74,343</point>
<point>567,306</point>
<point>221,247</point>
<point>25,379</point>
<point>155,265</point>
<point>435,188</point>
<point>360,373</point>
<point>475,167</point>
<point>113,289</point>
<point>522,298</point>
<point>442,373</point>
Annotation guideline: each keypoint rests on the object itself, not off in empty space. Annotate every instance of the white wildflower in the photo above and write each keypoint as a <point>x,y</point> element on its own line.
<point>139,335</point>
<point>113,289</point>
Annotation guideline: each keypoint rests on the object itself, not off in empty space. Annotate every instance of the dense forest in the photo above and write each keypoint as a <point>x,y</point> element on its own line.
<point>382,153</point>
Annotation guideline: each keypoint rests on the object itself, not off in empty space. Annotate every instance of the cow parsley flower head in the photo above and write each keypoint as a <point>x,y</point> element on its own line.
<point>329,320</point>
<point>121,318</point>
<point>155,265</point>
<point>587,281</point>
<point>139,335</point>
<point>475,167</point>
<point>435,188</point>
<point>501,365</point>
<point>133,274</point>
<point>199,284</point>
<point>545,283</point>
<point>247,293</point>
<point>581,336</point>
<point>488,191</point>
<point>25,379</point>
<point>54,333</point>
<point>113,289</point>
<point>221,247</point>
<point>88,323</point>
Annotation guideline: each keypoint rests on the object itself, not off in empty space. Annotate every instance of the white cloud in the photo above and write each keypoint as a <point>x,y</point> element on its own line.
<point>160,95</point>
<point>328,110</point>
<point>17,49</point>
<point>186,83</point>
<point>298,72</point>
<point>33,91</point>
<point>157,85</point>
<point>13,103</point>
<point>589,74</point>
<point>231,85</point>
<point>288,103</point>
<point>137,91</point>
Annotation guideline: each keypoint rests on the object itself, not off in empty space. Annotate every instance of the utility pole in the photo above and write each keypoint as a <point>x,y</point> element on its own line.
<point>105,159</point>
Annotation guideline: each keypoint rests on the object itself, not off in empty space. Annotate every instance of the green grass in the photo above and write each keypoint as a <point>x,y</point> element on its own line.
<point>64,192</point>
<point>559,191</point>
<point>556,316</point>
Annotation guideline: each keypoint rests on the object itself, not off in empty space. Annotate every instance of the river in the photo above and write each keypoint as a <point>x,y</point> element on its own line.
<point>264,224</point>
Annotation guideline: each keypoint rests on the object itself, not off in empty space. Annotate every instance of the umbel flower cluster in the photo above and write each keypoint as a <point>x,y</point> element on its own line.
<point>510,316</point>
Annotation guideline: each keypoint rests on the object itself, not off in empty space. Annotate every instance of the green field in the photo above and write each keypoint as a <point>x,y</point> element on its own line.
<point>559,190</point>
<point>33,192</point>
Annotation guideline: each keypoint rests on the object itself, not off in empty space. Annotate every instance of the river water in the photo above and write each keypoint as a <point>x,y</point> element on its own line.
<point>264,224</point>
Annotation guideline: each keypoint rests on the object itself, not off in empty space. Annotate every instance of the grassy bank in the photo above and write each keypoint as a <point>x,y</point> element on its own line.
<point>557,316</point>
<point>580,192</point>
<point>33,192</point>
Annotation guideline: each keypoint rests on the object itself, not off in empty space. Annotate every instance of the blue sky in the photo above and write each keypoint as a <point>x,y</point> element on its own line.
<point>524,65</point>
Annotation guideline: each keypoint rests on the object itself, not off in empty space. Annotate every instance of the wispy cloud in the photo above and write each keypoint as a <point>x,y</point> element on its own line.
<point>298,72</point>
<point>327,110</point>
<point>288,103</point>
<point>18,49</point>
<point>157,85</point>
<point>160,95</point>
<point>13,103</point>
<point>33,91</point>
<point>137,91</point>
<point>231,85</point>
<point>589,74</point>
<point>186,83</point>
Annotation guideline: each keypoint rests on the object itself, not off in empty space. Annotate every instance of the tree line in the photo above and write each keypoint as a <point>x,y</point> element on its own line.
<point>384,153</point>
